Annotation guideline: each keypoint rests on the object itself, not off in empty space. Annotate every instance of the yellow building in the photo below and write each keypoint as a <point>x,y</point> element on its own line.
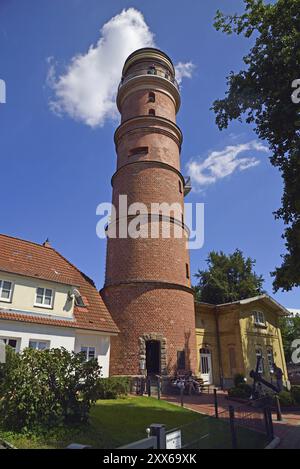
<point>231,336</point>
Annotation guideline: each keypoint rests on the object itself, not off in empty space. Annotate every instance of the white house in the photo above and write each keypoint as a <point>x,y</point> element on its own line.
<point>46,302</point>
<point>294,312</point>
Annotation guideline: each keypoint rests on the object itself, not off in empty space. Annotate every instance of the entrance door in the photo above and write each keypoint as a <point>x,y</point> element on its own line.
<point>206,366</point>
<point>153,357</point>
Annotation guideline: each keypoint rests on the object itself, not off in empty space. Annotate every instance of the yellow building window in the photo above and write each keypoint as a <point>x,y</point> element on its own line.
<point>259,318</point>
<point>259,356</point>
<point>271,360</point>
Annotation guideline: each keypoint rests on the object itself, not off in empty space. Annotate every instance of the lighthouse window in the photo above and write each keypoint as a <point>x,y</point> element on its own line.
<point>180,187</point>
<point>152,70</point>
<point>187,271</point>
<point>151,112</point>
<point>151,97</point>
<point>139,151</point>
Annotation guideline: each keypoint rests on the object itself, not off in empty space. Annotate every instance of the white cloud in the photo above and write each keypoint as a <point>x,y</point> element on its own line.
<point>184,70</point>
<point>87,90</point>
<point>220,164</point>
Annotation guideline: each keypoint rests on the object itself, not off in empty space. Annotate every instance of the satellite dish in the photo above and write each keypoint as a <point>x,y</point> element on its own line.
<point>76,295</point>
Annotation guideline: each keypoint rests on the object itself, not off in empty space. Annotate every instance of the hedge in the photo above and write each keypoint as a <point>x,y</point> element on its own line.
<point>113,387</point>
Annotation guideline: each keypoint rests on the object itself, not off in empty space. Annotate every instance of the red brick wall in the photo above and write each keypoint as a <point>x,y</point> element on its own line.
<point>161,148</point>
<point>138,104</point>
<point>142,309</point>
<point>147,259</point>
<point>149,184</point>
<point>147,290</point>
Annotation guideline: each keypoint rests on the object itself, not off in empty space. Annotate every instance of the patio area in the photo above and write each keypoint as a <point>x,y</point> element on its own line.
<point>288,430</point>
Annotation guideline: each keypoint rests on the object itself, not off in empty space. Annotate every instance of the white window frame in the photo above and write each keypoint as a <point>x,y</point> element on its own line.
<point>39,341</point>
<point>88,347</point>
<point>259,318</point>
<point>43,305</point>
<point>259,353</point>
<point>271,361</point>
<point>17,339</point>
<point>6,300</point>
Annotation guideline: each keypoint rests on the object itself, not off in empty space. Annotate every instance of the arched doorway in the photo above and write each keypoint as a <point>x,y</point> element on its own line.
<point>206,365</point>
<point>153,357</point>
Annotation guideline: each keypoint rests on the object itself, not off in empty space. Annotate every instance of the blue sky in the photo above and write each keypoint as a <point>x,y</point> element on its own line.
<point>55,170</point>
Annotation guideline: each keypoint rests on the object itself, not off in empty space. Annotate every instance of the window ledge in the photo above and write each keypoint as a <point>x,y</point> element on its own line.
<point>3,300</point>
<point>43,306</point>
<point>260,326</point>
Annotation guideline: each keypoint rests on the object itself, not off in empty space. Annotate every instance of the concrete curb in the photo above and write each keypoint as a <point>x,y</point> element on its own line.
<point>274,444</point>
<point>7,445</point>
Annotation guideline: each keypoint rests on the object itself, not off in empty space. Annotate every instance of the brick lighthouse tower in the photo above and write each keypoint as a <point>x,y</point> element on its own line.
<point>147,287</point>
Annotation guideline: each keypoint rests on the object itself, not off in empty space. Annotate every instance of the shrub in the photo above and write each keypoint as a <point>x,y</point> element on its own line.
<point>243,391</point>
<point>239,379</point>
<point>295,391</point>
<point>286,399</point>
<point>114,387</point>
<point>46,388</point>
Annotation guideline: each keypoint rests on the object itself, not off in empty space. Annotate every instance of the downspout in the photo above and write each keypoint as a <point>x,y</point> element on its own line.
<point>282,354</point>
<point>219,349</point>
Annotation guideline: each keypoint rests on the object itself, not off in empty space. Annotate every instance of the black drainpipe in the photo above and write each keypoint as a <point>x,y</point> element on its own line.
<point>219,349</point>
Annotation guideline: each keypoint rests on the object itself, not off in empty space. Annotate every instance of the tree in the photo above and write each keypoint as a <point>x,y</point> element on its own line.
<point>290,331</point>
<point>41,389</point>
<point>228,278</point>
<point>262,95</point>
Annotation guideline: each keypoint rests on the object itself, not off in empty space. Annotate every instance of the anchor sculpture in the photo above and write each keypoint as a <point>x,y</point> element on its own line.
<point>258,380</point>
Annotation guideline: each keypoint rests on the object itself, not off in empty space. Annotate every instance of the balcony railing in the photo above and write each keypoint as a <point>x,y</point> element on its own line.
<point>149,71</point>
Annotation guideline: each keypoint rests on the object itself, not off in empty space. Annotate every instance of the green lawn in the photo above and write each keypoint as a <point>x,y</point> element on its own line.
<point>118,422</point>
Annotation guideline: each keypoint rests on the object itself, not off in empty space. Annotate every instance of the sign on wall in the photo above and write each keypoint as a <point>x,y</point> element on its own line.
<point>173,440</point>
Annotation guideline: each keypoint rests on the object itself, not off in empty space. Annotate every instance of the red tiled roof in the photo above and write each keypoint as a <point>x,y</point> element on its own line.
<point>33,260</point>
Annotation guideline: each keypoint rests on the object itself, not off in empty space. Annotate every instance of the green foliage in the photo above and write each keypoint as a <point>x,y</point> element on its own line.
<point>290,331</point>
<point>239,379</point>
<point>261,94</point>
<point>41,389</point>
<point>228,278</point>
<point>286,399</point>
<point>295,391</point>
<point>113,388</point>
<point>120,422</point>
<point>242,391</point>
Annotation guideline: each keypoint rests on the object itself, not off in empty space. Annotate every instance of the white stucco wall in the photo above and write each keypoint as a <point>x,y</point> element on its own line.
<point>101,344</point>
<point>24,296</point>
<point>294,312</point>
<point>58,337</point>
<point>70,339</point>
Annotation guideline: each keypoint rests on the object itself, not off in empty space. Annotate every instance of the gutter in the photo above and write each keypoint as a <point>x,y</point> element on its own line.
<point>221,370</point>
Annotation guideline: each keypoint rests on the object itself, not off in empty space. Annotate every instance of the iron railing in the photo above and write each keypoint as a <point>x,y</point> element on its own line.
<point>152,72</point>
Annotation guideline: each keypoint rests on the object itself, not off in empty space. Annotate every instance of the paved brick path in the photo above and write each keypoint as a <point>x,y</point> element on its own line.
<point>288,430</point>
<point>204,404</point>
